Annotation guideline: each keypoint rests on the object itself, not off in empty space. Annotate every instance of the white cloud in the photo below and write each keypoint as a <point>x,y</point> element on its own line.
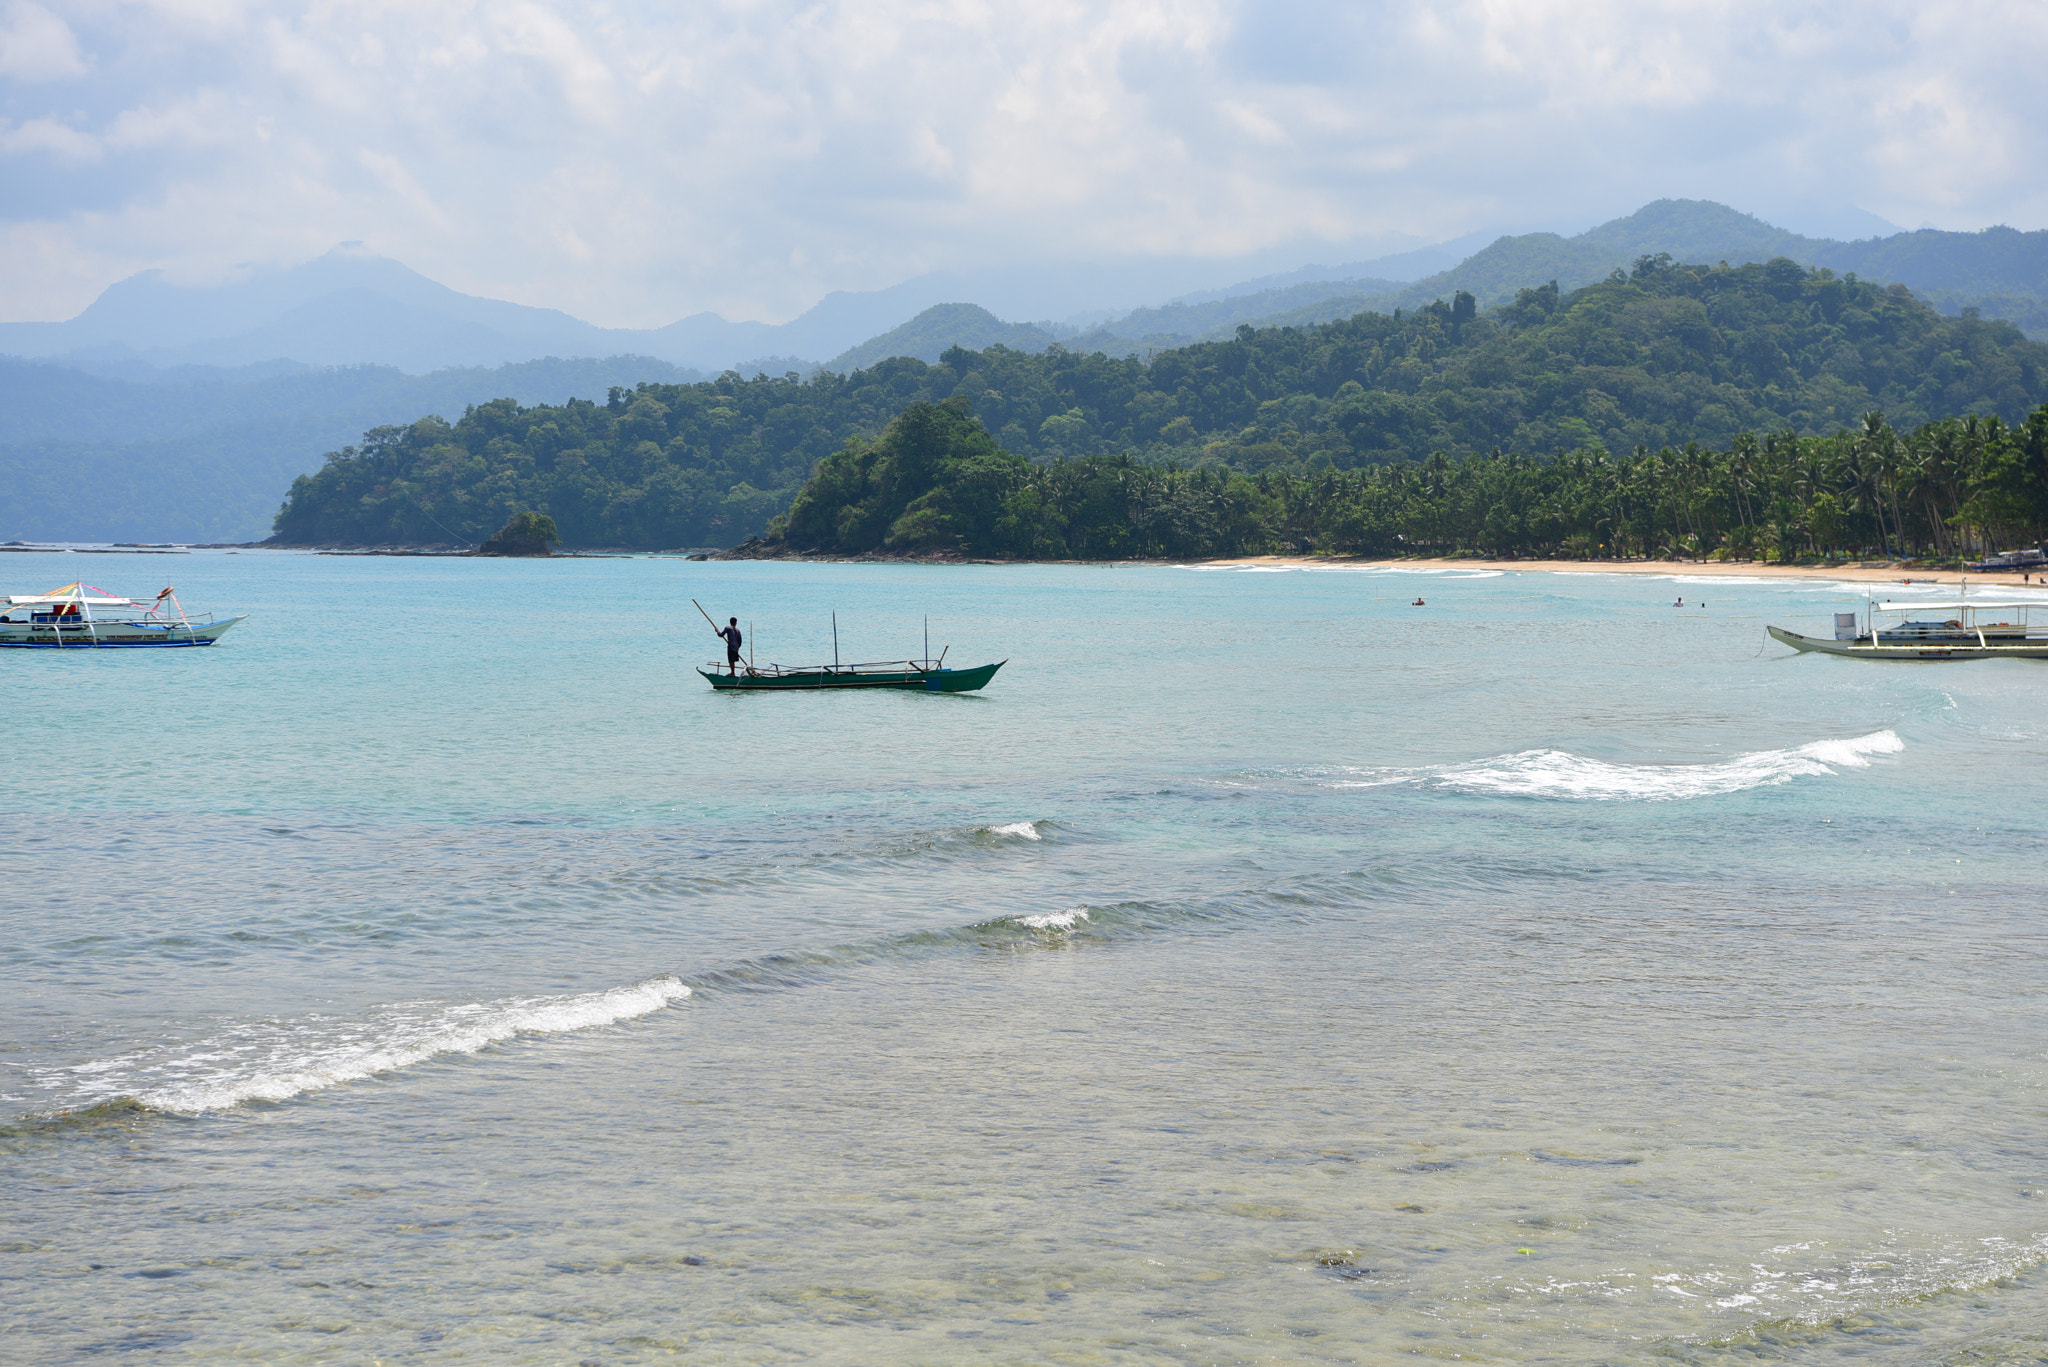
<point>633,161</point>
<point>51,136</point>
<point>204,117</point>
<point>394,176</point>
<point>35,45</point>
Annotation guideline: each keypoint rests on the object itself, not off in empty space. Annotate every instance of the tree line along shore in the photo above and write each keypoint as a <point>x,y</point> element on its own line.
<point>1757,411</point>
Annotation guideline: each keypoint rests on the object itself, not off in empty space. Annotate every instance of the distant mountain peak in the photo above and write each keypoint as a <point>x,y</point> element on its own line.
<point>939,328</point>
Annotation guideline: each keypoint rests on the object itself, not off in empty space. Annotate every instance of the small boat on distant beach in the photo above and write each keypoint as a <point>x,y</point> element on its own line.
<point>79,615</point>
<point>2006,562</point>
<point>1962,630</point>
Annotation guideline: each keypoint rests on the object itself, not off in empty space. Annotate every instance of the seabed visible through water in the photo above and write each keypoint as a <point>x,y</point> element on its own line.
<point>1263,969</point>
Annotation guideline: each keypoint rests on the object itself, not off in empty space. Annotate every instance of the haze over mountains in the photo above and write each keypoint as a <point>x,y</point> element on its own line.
<point>349,307</point>
<point>204,403</point>
<point>1999,271</point>
<point>353,308</point>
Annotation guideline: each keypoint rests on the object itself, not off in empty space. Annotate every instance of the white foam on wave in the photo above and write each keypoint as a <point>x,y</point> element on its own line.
<point>1707,580</point>
<point>1800,1281</point>
<point>1023,830</point>
<point>276,1060</point>
<point>1561,774</point>
<point>1054,920</point>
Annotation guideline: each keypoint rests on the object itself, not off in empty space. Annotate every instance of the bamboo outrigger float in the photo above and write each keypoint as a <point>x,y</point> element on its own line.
<point>1962,630</point>
<point>925,676</point>
<point>64,619</point>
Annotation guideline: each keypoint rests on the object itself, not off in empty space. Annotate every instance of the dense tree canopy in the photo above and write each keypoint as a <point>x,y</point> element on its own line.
<point>936,481</point>
<point>1666,356</point>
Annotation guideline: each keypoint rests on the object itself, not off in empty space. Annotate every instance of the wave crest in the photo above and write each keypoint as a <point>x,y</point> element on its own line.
<point>276,1060</point>
<point>1054,920</point>
<point>1561,774</point>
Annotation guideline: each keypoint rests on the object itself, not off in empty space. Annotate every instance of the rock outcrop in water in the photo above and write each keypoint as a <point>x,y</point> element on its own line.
<point>523,534</point>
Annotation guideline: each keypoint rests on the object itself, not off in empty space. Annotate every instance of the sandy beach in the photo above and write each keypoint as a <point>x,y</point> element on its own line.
<point>1863,572</point>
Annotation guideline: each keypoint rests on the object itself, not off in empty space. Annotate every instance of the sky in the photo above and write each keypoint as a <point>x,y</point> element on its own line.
<point>632,164</point>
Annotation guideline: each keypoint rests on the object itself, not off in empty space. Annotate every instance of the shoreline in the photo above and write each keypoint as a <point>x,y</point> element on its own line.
<point>1864,572</point>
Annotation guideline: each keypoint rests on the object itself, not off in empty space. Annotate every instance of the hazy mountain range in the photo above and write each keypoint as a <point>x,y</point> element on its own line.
<point>2001,272</point>
<point>185,412</point>
<point>207,456</point>
<point>352,308</point>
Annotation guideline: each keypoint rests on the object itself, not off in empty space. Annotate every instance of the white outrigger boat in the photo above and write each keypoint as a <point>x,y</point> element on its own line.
<point>81,615</point>
<point>1962,630</point>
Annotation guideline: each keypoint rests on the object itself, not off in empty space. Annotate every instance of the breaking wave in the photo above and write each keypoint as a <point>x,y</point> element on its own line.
<point>1800,1284</point>
<point>1023,830</point>
<point>1561,774</point>
<point>276,1060</point>
<point>1054,920</point>
<point>1020,932</point>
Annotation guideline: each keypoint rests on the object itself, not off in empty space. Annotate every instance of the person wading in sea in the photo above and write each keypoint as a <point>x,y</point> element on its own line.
<point>732,645</point>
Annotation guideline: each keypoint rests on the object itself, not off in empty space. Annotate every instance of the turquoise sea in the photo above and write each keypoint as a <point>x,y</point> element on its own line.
<point>1263,969</point>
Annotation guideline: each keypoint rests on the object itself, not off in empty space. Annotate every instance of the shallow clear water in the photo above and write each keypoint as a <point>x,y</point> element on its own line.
<point>1262,969</point>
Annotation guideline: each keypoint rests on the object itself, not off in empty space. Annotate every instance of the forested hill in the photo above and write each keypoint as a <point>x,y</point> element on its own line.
<point>1665,355</point>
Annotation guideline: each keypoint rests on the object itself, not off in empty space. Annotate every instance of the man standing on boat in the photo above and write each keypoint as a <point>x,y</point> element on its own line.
<point>732,645</point>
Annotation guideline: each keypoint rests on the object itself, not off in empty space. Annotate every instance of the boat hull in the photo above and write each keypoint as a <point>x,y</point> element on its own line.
<point>111,635</point>
<point>1862,649</point>
<point>915,680</point>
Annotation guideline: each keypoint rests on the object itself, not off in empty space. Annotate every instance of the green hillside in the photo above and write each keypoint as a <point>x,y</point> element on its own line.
<point>1994,262</point>
<point>938,328</point>
<point>1693,230</point>
<point>1178,323</point>
<point>1684,229</point>
<point>2000,272</point>
<point>1661,357</point>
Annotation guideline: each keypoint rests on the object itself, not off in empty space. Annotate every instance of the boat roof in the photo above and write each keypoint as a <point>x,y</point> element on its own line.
<point>1973,604</point>
<point>70,593</point>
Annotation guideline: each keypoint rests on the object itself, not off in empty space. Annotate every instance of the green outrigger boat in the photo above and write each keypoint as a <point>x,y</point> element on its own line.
<point>912,674</point>
<point>925,676</point>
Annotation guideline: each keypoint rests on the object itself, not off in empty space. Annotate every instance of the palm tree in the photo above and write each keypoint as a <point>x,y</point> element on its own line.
<point>1742,459</point>
<point>1865,465</point>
